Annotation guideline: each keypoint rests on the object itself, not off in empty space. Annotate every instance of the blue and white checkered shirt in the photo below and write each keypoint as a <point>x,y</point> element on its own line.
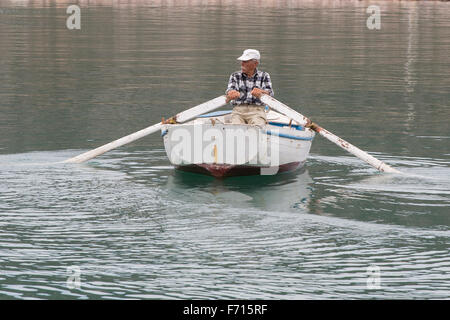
<point>239,81</point>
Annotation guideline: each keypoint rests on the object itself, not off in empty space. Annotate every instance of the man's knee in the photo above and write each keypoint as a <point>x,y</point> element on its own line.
<point>257,121</point>
<point>237,119</point>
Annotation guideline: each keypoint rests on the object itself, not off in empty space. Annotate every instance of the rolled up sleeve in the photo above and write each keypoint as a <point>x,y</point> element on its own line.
<point>232,84</point>
<point>267,84</point>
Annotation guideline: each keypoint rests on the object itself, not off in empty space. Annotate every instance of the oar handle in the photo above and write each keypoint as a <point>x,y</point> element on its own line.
<point>284,109</point>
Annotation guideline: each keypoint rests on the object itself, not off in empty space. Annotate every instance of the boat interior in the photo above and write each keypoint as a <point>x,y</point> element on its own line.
<point>224,117</point>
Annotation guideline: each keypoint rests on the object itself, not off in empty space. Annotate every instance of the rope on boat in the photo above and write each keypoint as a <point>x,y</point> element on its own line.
<point>171,120</point>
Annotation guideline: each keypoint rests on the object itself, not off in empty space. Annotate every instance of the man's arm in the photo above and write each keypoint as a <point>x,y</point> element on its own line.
<point>232,91</point>
<point>266,87</point>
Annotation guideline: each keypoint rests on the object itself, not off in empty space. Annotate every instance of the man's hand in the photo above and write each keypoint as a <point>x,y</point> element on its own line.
<point>257,92</point>
<point>232,95</point>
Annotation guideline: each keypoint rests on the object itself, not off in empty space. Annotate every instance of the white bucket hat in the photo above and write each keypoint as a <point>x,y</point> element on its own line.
<point>250,54</point>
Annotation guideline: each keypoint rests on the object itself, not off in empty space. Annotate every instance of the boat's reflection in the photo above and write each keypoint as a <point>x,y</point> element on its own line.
<point>283,192</point>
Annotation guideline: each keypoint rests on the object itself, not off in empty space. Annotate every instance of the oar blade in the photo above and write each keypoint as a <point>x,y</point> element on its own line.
<point>114,144</point>
<point>374,162</point>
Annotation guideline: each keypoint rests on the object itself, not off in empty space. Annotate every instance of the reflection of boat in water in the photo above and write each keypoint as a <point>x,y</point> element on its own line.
<point>289,191</point>
<point>211,145</point>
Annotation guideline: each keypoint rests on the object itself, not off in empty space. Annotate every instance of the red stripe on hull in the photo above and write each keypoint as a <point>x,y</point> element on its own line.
<point>226,170</point>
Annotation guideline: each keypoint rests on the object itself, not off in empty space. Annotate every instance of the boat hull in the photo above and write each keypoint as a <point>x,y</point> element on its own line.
<point>225,170</point>
<point>213,147</point>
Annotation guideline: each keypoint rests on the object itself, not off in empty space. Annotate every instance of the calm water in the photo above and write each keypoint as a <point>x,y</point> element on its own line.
<point>135,228</point>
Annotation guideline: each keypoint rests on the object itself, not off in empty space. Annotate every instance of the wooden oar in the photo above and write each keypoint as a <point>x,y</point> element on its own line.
<point>179,118</point>
<point>304,121</point>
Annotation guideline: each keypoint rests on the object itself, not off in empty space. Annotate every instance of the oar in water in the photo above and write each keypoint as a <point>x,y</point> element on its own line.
<point>304,121</point>
<point>179,118</point>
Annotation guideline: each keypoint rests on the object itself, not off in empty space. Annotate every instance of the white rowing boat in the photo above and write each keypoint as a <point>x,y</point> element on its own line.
<point>211,145</point>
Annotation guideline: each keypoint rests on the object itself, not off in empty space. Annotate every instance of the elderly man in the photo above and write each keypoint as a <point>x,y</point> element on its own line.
<point>244,89</point>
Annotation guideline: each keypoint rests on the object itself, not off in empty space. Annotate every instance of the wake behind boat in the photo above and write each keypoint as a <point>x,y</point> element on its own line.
<point>210,144</point>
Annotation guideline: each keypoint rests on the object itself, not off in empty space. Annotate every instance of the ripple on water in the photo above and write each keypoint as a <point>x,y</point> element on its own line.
<point>418,198</point>
<point>187,236</point>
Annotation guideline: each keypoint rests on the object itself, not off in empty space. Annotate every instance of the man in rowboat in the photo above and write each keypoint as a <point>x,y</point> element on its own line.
<point>244,89</point>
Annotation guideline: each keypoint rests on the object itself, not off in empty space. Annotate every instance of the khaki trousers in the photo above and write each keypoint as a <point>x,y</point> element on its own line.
<point>250,114</point>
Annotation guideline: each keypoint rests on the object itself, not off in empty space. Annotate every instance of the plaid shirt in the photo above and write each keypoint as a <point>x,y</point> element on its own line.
<point>239,81</point>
